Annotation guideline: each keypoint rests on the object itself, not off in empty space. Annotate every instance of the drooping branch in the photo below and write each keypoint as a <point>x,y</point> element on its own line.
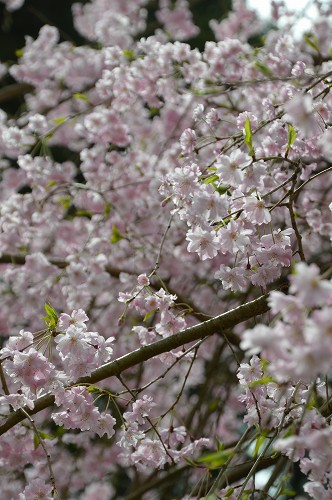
<point>218,324</point>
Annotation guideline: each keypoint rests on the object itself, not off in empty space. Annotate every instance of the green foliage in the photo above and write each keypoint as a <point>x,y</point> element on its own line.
<point>263,69</point>
<point>248,136</point>
<point>148,314</point>
<point>116,235</point>
<point>261,381</point>
<point>311,41</point>
<point>211,179</point>
<point>60,120</point>
<point>291,137</point>
<point>216,459</point>
<point>51,318</point>
<point>83,97</point>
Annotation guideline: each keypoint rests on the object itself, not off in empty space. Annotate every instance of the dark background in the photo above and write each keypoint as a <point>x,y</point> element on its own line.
<point>35,13</point>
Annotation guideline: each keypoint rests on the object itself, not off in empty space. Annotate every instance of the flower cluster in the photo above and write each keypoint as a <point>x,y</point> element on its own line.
<point>297,345</point>
<point>80,351</point>
<point>161,188</point>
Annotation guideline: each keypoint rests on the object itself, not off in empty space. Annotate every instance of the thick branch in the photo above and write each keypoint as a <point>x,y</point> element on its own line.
<point>220,323</point>
<point>14,91</point>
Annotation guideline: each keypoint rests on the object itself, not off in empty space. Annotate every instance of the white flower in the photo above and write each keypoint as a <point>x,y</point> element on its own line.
<point>205,243</point>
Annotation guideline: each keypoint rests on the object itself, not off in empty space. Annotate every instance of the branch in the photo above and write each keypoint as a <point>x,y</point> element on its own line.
<point>114,368</point>
<point>14,91</point>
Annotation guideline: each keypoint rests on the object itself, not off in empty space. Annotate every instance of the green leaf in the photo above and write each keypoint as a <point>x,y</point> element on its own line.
<point>51,318</point>
<point>129,54</point>
<point>261,381</point>
<point>248,136</point>
<point>60,120</point>
<point>213,405</point>
<point>93,388</point>
<point>291,135</point>
<point>312,42</point>
<point>229,492</point>
<point>148,314</point>
<point>211,178</point>
<point>50,184</point>
<point>83,97</point>
<point>263,68</point>
<point>259,443</point>
<point>36,441</point>
<point>81,212</point>
<point>220,445</point>
<point>222,189</point>
<point>64,201</point>
<point>154,112</point>
<point>216,459</point>
<point>43,435</point>
<point>116,235</point>
<point>288,493</point>
<point>51,312</point>
<point>107,210</point>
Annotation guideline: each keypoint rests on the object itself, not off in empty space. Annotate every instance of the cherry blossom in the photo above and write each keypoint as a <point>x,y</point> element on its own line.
<point>169,209</point>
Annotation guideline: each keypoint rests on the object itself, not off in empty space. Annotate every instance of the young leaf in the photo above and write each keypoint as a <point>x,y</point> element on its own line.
<point>291,135</point>
<point>211,178</point>
<point>229,492</point>
<point>248,136</point>
<point>148,314</point>
<point>60,120</point>
<point>116,235</point>
<point>36,441</point>
<point>312,42</point>
<point>83,97</point>
<point>51,318</point>
<point>263,68</point>
<point>216,459</point>
<point>107,210</point>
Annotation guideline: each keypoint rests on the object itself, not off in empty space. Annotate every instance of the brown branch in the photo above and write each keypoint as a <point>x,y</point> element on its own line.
<point>223,322</point>
<point>14,91</point>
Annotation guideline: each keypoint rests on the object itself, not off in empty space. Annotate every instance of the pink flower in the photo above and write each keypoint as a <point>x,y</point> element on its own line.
<point>256,340</point>
<point>151,452</point>
<point>188,141</point>
<point>308,286</point>
<point>77,318</point>
<point>204,243</point>
<point>73,342</point>
<point>249,372</point>
<point>275,256</point>
<point>17,343</point>
<point>278,237</point>
<point>18,400</point>
<point>37,489</point>
<point>289,307</point>
<point>256,212</point>
<point>233,279</point>
<point>31,368</point>
<point>105,425</point>
<point>234,237</point>
<point>143,280</point>
<point>229,168</point>
<point>141,409</point>
<point>130,436</point>
<point>300,111</point>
